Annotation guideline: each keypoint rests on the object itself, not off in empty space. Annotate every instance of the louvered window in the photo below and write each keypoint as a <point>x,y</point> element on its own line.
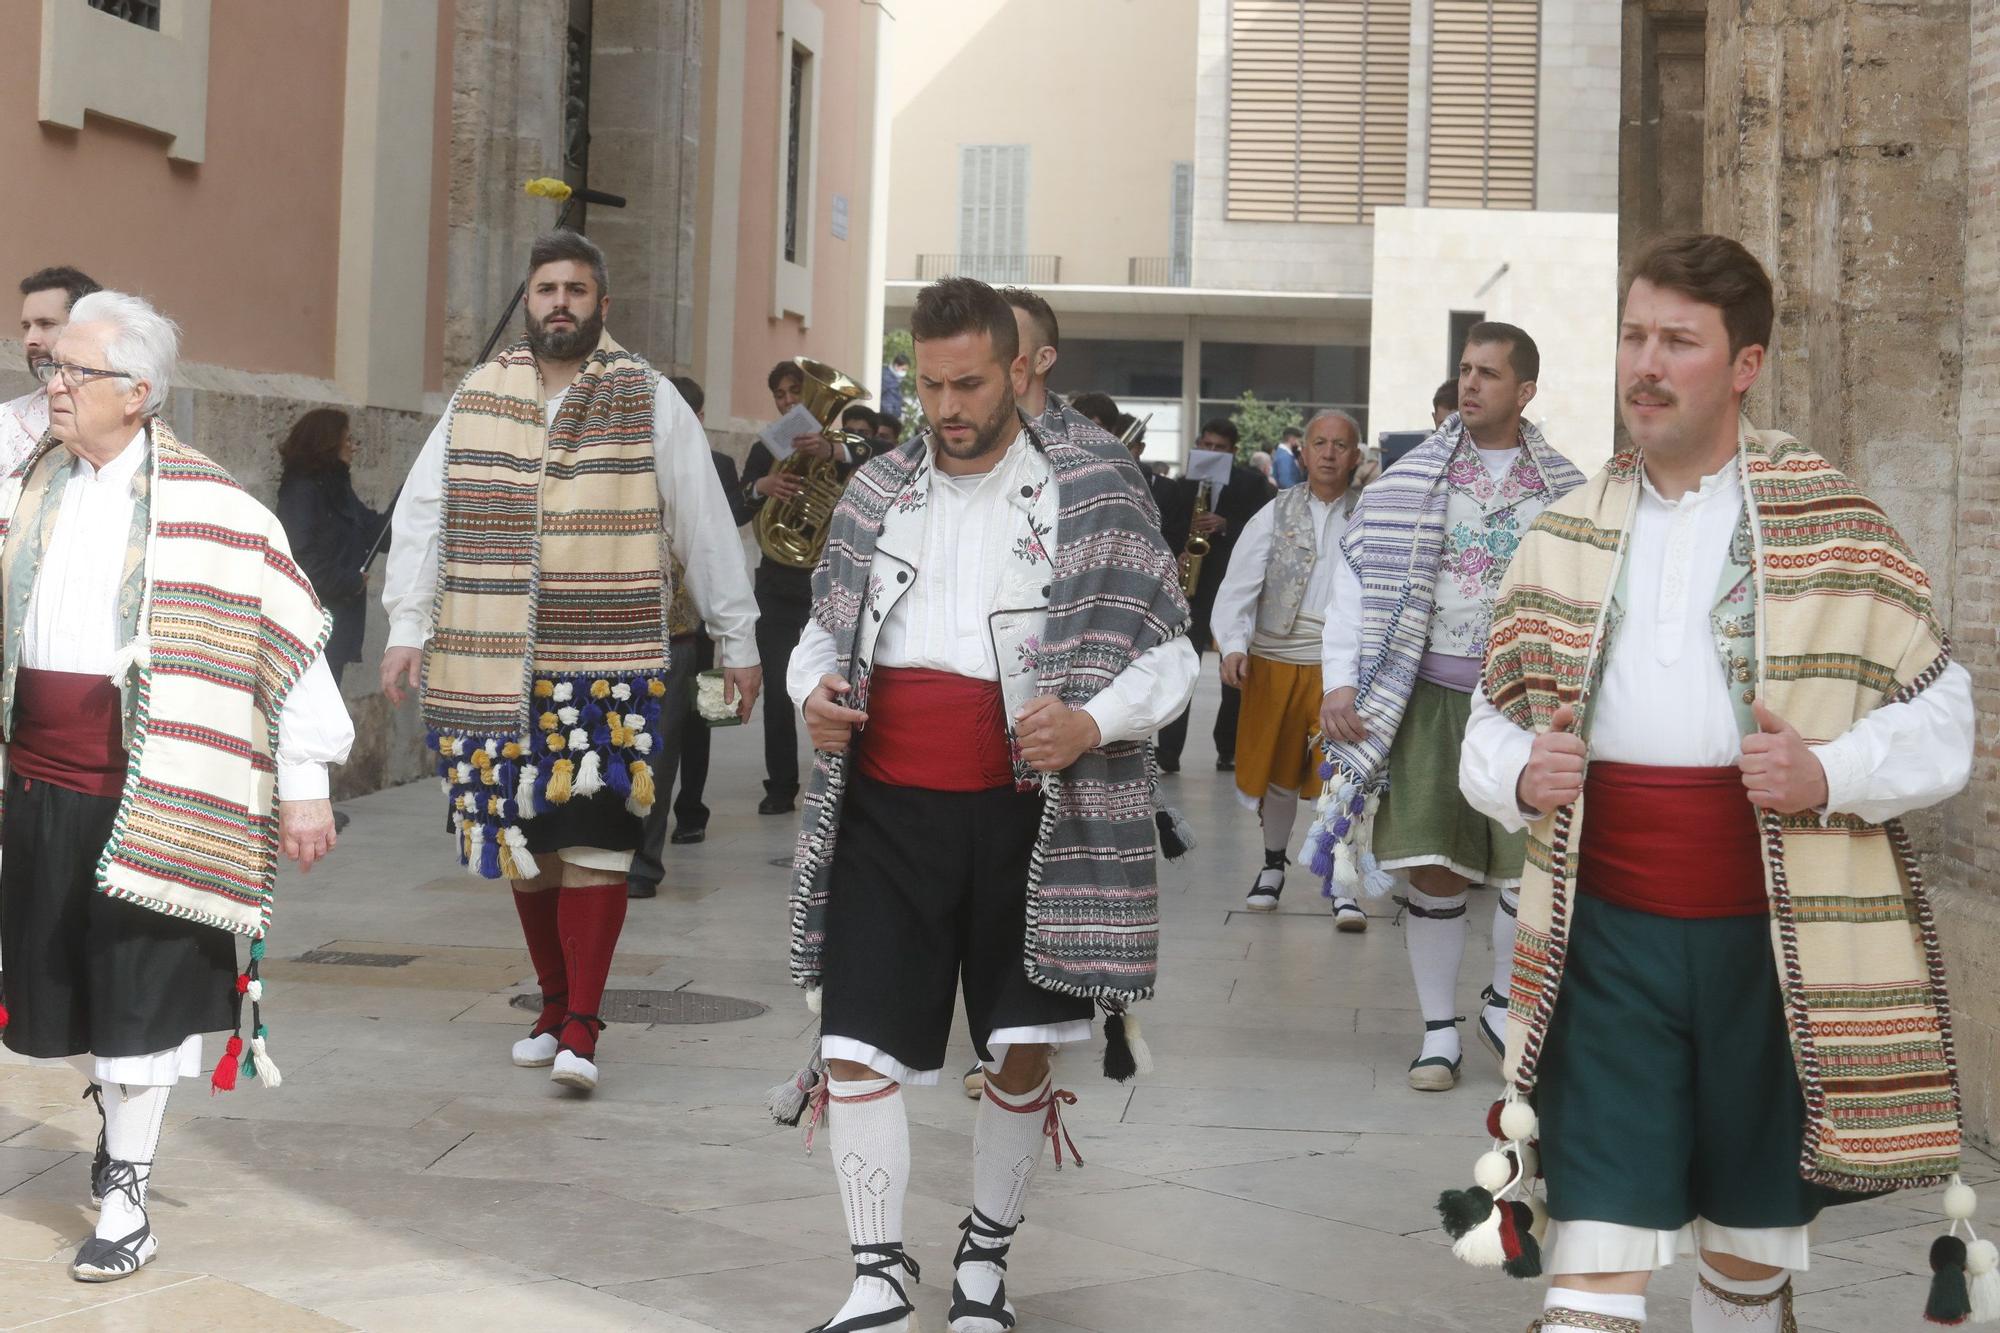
<point>993,211</point>
<point>1318,109</point>
<point>1485,63</point>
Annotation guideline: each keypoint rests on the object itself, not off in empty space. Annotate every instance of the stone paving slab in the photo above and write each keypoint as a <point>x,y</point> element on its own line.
<point>1274,1174</point>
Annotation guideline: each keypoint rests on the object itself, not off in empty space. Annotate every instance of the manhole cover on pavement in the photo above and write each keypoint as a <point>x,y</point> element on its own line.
<point>344,958</point>
<point>661,1006</point>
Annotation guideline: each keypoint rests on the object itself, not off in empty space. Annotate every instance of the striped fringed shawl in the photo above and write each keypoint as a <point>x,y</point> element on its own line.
<point>544,676</point>
<point>1394,545</point>
<point>1845,624</point>
<point>225,626</point>
<point>1093,895</point>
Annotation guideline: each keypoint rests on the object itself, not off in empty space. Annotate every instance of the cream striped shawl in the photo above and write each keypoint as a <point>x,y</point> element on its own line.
<point>1845,624</point>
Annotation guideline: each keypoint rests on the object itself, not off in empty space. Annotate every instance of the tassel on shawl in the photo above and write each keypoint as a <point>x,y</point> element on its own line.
<point>1964,1281</point>
<point>1489,1226</point>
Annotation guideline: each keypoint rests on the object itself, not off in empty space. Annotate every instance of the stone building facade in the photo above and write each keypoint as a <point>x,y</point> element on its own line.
<point>346,234</point>
<point>1855,147</point>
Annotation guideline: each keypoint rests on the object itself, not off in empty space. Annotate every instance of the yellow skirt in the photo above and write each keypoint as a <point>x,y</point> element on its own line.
<point>1276,730</point>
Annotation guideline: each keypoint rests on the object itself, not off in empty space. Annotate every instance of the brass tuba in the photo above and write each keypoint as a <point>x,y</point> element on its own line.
<point>793,532</point>
<point>1197,545</point>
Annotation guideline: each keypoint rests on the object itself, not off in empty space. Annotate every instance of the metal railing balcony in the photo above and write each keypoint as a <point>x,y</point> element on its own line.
<point>1156,272</point>
<point>1036,270</point>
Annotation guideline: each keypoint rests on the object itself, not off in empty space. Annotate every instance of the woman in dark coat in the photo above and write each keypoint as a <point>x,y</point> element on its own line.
<point>330,529</point>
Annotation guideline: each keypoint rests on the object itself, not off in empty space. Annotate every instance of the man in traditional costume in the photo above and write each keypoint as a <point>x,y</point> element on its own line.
<point>46,297</point>
<point>1269,618</point>
<point>1405,634</point>
<point>1716,679</point>
<point>168,722</point>
<point>528,585</point>
<point>997,628</point>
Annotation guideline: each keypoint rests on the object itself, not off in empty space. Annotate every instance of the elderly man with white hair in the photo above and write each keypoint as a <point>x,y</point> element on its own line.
<point>1269,613</point>
<point>167,722</point>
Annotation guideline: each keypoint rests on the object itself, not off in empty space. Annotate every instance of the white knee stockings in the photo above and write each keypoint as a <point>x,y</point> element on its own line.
<point>1740,1305</point>
<point>1570,1311</point>
<point>868,1129</point>
<point>132,1120</point>
<point>1435,930</point>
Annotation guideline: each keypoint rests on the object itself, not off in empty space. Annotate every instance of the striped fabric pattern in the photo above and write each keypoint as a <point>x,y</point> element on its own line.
<point>1845,624</point>
<point>545,673</point>
<point>1093,892</point>
<point>231,625</point>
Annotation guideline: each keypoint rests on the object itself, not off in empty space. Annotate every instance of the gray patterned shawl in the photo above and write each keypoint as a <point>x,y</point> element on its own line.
<point>1093,896</point>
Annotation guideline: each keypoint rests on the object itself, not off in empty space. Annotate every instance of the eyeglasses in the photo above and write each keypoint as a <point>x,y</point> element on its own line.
<point>75,376</point>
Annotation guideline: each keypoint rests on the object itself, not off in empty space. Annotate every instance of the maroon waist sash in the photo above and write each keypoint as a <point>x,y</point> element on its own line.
<point>67,731</point>
<point>935,730</point>
<point>1679,842</point>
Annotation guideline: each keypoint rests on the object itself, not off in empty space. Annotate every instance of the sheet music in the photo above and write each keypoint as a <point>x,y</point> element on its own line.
<point>780,435</point>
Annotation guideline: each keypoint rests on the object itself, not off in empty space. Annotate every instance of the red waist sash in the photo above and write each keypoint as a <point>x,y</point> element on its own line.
<point>67,731</point>
<point>935,730</point>
<point>1679,842</point>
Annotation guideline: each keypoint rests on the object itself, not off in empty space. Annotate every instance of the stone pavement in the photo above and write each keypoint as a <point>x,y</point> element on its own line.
<point>1274,1173</point>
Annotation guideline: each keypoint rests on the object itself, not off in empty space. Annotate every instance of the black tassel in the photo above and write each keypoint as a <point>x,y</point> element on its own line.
<point>1462,1210</point>
<point>1529,1263</point>
<point>1950,1300</point>
<point>1171,844</point>
<point>1119,1064</point>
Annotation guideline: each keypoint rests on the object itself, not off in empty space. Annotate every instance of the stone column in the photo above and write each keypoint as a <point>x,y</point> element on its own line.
<point>506,128</point>
<point>645,125</point>
<point>1661,119</point>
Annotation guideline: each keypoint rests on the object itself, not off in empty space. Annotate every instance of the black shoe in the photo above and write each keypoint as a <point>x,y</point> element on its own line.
<point>638,888</point>
<point>685,835</point>
<point>775,805</point>
<point>1168,766</point>
<point>1225,765</point>
<point>984,1242</point>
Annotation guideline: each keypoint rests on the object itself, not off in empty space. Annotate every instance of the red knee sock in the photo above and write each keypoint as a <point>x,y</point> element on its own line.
<point>545,950</point>
<point>590,920</point>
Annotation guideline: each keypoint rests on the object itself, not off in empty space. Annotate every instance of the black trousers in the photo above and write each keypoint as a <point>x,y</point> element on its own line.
<point>689,812</point>
<point>1173,736</point>
<point>678,724</point>
<point>86,973</point>
<point>784,603</point>
<point>929,890</point>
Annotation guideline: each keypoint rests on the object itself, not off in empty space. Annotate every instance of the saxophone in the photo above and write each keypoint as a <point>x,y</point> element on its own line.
<point>793,532</point>
<point>1197,545</point>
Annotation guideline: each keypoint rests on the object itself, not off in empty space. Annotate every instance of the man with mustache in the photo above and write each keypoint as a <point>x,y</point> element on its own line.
<point>997,627</point>
<point>1716,680</point>
<point>46,298</point>
<point>527,590</point>
<point>1404,637</point>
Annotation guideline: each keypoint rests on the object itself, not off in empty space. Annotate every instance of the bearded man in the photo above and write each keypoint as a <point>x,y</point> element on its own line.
<point>46,298</point>
<point>527,590</point>
<point>997,627</point>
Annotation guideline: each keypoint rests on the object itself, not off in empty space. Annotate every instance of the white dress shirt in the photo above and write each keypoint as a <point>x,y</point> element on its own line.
<point>940,622</point>
<point>700,532</point>
<point>23,422</point>
<point>1234,618</point>
<point>1663,700</point>
<point>72,622</point>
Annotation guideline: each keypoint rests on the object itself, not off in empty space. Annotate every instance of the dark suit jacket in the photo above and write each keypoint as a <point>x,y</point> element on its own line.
<point>757,465</point>
<point>1247,492</point>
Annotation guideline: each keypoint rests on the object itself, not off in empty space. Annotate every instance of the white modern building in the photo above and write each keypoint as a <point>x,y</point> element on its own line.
<point>1308,199</point>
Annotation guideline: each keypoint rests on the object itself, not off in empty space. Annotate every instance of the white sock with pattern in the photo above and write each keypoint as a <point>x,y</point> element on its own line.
<point>1006,1151</point>
<point>1566,1310</point>
<point>1435,929</point>
<point>1740,1305</point>
<point>133,1117</point>
<point>868,1130</point>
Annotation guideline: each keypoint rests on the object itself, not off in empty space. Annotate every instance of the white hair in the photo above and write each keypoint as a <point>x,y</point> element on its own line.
<point>144,343</point>
<point>1311,421</point>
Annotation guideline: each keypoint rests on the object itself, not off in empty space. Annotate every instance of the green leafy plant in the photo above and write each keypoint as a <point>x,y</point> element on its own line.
<point>1260,425</point>
<point>898,342</point>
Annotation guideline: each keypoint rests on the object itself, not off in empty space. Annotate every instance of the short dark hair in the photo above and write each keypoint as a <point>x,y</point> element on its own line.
<point>1098,407</point>
<point>1447,395</point>
<point>1224,427</point>
<point>1037,310</point>
<point>1292,433</point>
<point>555,246</point>
<point>784,370</point>
<point>951,306</point>
<point>853,410</point>
<point>313,443</point>
<point>690,392</point>
<point>1522,354</point>
<point>72,280</point>
<point>899,359</point>
<point>1713,270</point>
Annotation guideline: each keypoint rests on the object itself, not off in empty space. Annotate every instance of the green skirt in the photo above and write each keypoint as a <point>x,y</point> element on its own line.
<point>1423,819</point>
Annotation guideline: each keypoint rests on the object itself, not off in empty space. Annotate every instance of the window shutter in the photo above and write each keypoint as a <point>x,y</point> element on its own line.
<point>993,210</point>
<point>1485,70</point>
<point>1318,109</point>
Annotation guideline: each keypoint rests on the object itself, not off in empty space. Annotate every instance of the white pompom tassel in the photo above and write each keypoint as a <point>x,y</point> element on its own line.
<point>267,1068</point>
<point>138,653</point>
<point>589,775</point>
<point>1142,1054</point>
<point>1982,1269</point>
<point>1481,1246</point>
<point>812,999</point>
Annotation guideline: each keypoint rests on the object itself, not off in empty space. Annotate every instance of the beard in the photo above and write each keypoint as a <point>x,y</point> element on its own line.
<point>988,435</point>
<point>564,344</point>
<point>36,360</point>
